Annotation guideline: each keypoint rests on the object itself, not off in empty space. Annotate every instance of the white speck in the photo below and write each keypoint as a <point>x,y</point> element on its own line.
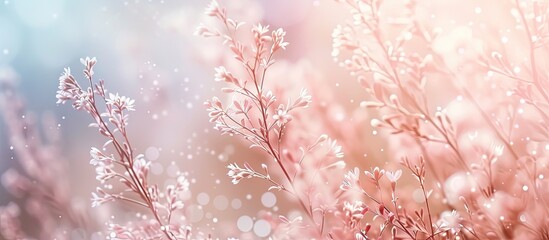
<point>504,39</point>
<point>516,69</point>
<point>6,51</point>
<point>525,188</point>
<point>478,10</point>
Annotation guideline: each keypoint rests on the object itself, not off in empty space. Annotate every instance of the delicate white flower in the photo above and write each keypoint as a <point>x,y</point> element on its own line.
<point>498,149</point>
<point>304,99</point>
<point>213,9</point>
<point>121,102</point>
<point>278,40</point>
<point>350,180</point>
<point>104,173</point>
<point>281,116</point>
<point>141,165</point>
<point>221,74</point>
<point>335,149</point>
<point>97,156</point>
<point>88,63</point>
<point>393,176</point>
<point>82,101</point>
<point>260,29</point>
<point>450,221</point>
<point>100,197</point>
<point>182,183</point>
<point>354,212</point>
<point>68,87</point>
<point>375,174</point>
<point>237,173</point>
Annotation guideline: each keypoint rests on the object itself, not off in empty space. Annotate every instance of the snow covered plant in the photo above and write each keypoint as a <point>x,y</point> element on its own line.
<point>484,142</point>
<point>300,168</point>
<point>40,180</point>
<point>124,166</point>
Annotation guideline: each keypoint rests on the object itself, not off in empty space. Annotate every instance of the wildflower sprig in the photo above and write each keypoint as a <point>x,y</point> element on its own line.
<point>125,166</point>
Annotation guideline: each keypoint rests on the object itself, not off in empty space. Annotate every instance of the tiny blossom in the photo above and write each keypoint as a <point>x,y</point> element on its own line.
<point>259,32</point>
<point>282,116</point>
<point>213,9</point>
<point>222,75</point>
<point>183,183</point>
<point>121,102</point>
<point>376,174</point>
<point>355,212</point>
<point>100,197</point>
<point>350,180</point>
<point>393,176</point>
<point>88,63</point>
<point>304,99</point>
<point>82,101</point>
<point>141,165</point>
<point>278,40</point>
<point>450,221</point>
<point>335,149</point>
<point>98,158</point>
<point>68,87</point>
<point>104,173</point>
<point>237,173</point>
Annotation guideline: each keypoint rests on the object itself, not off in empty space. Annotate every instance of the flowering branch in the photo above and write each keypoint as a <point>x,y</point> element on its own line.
<point>128,169</point>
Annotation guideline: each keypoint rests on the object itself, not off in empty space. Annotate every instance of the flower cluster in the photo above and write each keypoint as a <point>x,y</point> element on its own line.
<point>258,115</point>
<point>129,169</point>
<point>473,163</point>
